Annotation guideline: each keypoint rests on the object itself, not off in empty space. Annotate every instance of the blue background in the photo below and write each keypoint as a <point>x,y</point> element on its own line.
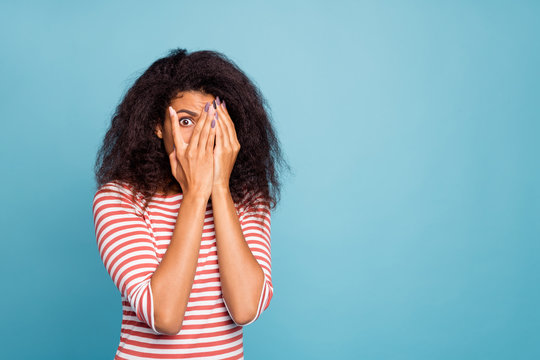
<point>410,226</point>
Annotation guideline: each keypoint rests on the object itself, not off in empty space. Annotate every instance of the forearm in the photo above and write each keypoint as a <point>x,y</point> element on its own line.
<point>173,279</point>
<point>241,275</point>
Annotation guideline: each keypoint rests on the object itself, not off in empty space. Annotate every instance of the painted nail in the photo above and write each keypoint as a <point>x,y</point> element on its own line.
<point>217,100</point>
<point>213,122</point>
<point>215,116</point>
<point>214,103</point>
<point>206,106</point>
<point>223,103</point>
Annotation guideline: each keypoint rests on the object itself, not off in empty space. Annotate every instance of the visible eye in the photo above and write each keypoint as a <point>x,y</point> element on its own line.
<point>182,121</point>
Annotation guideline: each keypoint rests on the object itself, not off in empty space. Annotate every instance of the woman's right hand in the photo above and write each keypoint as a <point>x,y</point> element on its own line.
<point>192,164</point>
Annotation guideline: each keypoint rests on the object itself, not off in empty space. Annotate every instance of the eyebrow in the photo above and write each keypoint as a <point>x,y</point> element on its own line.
<point>188,112</point>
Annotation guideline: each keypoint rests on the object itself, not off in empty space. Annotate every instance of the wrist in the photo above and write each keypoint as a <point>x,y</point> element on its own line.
<point>220,189</point>
<point>195,196</point>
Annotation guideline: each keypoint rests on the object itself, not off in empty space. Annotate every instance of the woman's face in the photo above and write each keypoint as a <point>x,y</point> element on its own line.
<point>189,105</point>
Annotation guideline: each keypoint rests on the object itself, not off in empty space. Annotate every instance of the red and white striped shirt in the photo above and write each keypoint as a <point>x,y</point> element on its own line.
<point>132,242</point>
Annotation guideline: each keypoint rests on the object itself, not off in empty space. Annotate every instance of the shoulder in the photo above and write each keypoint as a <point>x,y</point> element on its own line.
<point>117,191</point>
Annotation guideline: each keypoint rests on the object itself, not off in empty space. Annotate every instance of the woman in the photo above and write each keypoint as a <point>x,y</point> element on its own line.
<point>182,208</point>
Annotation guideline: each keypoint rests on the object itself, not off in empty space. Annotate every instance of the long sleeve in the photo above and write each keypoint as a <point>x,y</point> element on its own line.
<point>126,247</point>
<point>255,223</point>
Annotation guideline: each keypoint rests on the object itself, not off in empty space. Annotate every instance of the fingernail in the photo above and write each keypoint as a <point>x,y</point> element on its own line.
<point>213,122</point>
<point>206,106</point>
<point>224,104</point>
<point>215,116</point>
<point>214,103</point>
<point>217,100</point>
<point>171,111</point>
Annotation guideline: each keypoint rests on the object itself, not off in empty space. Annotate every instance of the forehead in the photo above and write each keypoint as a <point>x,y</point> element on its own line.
<point>191,99</point>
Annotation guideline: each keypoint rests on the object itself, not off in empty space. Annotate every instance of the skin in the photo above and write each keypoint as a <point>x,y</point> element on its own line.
<point>202,159</point>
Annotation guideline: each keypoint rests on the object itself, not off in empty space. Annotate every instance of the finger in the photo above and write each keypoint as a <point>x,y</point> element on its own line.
<point>212,135</point>
<point>177,169</point>
<point>194,141</point>
<point>212,117</point>
<point>229,130</point>
<point>178,140</point>
<point>226,112</point>
<point>173,162</point>
<point>218,134</point>
<point>228,134</point>
<point>223,106</point>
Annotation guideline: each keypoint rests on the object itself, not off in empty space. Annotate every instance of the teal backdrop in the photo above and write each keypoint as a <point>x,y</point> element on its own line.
<point>409,227</point>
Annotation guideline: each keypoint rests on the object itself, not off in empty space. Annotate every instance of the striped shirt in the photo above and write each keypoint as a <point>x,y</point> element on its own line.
<point>132,242</point>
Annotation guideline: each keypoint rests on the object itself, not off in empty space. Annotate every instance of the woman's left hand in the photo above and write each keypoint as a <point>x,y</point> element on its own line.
<point>226,148</point>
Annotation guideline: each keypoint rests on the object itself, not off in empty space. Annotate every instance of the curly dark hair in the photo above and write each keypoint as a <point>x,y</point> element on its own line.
<point>132,153</point>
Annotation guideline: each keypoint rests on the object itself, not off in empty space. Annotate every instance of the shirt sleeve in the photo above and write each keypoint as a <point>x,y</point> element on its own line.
<point>126,247</point>
<point>255,223</point>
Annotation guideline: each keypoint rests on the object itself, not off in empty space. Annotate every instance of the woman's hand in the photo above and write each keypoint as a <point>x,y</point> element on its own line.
<point>192,164</point>
<point>227,147</point>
